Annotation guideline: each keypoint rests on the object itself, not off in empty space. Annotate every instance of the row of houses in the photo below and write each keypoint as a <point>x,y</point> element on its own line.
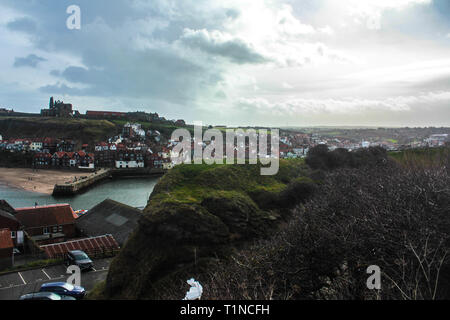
<point>49,145</point>
<point>55,229</point>
<point>62,159</point>
<point>131,155</point>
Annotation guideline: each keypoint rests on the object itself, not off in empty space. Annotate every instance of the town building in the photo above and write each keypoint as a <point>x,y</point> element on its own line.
<point>58,109</point>
<point>5,206</point>
<point>6,249</point>
<point>48,224</point>
<point>109,217</point>
<point>92,246</point>
<point>10,222</point>
<point>42,159</point>
<point>36,145</point>
<point>129,159</point>
<point>105,114</point>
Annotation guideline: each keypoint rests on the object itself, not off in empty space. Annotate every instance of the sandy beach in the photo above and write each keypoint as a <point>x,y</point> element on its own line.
<point>41,181</point>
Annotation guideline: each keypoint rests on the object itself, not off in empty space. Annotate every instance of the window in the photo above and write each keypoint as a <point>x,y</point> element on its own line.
<point>55,229</point>
<point>60,228</point>
<point>13,234</point>
<point>45,231</point>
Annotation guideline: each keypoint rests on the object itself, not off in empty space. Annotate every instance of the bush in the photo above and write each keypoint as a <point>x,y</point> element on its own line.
<point>388,216</point>
<point>297,191</point>
<point>321,158</point>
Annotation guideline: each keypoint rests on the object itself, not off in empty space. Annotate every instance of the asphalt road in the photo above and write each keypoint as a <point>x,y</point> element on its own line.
<point>13,285</point>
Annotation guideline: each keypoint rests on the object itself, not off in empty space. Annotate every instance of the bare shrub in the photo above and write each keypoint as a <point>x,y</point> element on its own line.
<point>394,217</point>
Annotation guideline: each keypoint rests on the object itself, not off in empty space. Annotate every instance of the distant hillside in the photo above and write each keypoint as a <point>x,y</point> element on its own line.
<point>81,130</point>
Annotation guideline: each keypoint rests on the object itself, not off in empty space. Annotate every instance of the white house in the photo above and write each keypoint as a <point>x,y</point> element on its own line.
<point>168,165</point>
<point>90,166</point>
<point>129,164</point>
<point>102,146</point>
<point>36,146</point>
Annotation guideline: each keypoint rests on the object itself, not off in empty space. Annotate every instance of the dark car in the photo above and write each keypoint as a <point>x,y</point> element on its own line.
<point>79,258</point>
<point>64,288</point>
<point>45,296</point>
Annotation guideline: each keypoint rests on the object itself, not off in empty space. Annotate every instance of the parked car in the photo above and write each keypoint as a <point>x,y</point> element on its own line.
<point>45,296</point>
<point>80,259</point>
<point>64,288</point>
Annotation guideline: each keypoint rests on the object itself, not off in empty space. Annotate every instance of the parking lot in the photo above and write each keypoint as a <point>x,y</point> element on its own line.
<point>13,285</point>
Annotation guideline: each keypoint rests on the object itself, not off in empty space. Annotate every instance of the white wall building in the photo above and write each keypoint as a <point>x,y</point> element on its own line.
<point>129,164</point>
<point>36,146</point>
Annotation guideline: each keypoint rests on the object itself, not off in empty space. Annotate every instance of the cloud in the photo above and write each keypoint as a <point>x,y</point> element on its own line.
<point>31,60</point>
<point>222,44</point>
<point>348,106</point>
<point>60,89</point>
<point>370,12</point>
<point>24,24</point>
<point>192,58</point>
<point>417,110</point>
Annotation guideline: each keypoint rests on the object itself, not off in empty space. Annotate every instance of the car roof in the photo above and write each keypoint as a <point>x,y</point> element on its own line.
<point>53,284</point>
<point>40,294</point>
<point>76,251</point>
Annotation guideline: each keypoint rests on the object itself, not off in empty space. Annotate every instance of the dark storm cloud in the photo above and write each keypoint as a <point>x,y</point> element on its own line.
<point>108,44</point>
<point>22,24</point>
<point>31,60</point>
<point>215,43</point>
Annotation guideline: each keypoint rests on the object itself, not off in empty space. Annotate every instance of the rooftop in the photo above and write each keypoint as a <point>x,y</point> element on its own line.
<point>110,217</point>
<point>88,245</point>
<point>41,216</point>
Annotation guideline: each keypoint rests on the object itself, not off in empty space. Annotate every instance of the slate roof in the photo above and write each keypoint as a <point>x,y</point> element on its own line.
<point>5,206</point>
<point>110,217</point>
<point>8,215</point>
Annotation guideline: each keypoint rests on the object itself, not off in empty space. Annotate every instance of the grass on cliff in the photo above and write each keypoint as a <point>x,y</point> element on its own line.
<point>82,130</point>
<point>191,184</point>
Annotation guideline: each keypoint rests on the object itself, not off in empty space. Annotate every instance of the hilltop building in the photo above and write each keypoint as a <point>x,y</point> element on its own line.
<point>58,109</point>
<point>6,111</point>
<point>105,114</point>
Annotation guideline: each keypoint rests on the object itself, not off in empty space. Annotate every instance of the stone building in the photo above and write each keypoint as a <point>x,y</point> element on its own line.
<point>58,109</point>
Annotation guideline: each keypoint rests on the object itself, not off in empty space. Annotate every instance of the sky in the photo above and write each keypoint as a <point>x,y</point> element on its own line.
<point>234,62</point>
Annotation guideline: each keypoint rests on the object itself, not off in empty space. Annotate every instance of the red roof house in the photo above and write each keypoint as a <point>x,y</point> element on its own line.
<point>46,223</point>
<point>6,249</point>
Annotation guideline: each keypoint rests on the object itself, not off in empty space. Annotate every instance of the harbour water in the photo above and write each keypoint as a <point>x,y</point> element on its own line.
<point>131,191</point>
